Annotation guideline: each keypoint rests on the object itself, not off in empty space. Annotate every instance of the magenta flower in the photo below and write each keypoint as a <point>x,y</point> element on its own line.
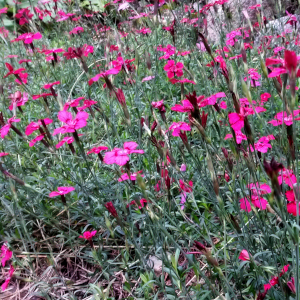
<point>5,129</point>
<point>144,30</point>
<point>97,150</point>
<point>18,100</point>
<point>133,176</point>
<point>188,188</point>
<point>178,127</point>
<point>21,61</point>
<point>28,38</point>
<point>3,10</point>
<point>159,105</point>
<point>66,139</point>
<point>264,97</point>
<point>50,85</point>
<point>12,71</point>
<point>239,137</point>
<point>173,69</point>
<point>185,107</point>
<point>33,126</point>
<point>237,120</point>
<point>120,156</point>
<point>87,103</point>
<point>88,235</point>
<point>72,103</point>
<point>3,154</point>
<point>258,189</point>
<point>282,117</point>
<point>258,202</point>
<point>51,51</point>
<point>76,30</point>
<point>183,168</point>
<point>44,95</point>
<point>5,255</point>
<point>291,285</point>
<point>263,144</point>
<point>244,255</point>
<point>286,65</point>
<point>287,176</point>
<point>78,52</point>
<point>148,78</point>
<point>71,124</point>
<point>7,280</point>
<point>62,190</point>
<point>23,15</point>
<point>35,140</point>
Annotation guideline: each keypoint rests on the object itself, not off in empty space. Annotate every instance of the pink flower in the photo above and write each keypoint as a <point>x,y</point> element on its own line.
<point>186,107</point>
<point>143,202</point>
<point>28,38</point>
<point>239,137</point>
<point>288,65</point>
<point>183,53</point>
<point>255,6</point>
<point>97,150</point>
<point>263,144</point>
<point>121,156</point>
<point>33,126</point>
<point>72,103</point>
<point>236,120</point>
<point>244,255</point>
<point>35,140</point>
<point>223,105</point>
<point>76,30</point>
<point>183,168</point>
<point>23,15</point>
<point>24,60</point>
<point>7,280</point>
<point>50,85</point>
<point>274,280</point>
<point>71,124</point>
<point>11,70</point>
<point>291,285</point>
<point>88,235</point>
<point>178,127</point>
<point>3,154</point>
<point>44,95</point>
<point>188,188</point>
<point>78,52</point>
<point>144,30</point>
<point>264,97</point>
<point>18,100</point>
<point>258,202</point>
<point>258,189</point>
<point>271,283</point>
<point>282,117</point>
<point>87,103</point>
<point>66,139</point>
<point>62,190</point>
<point>5,129</point>
<point>147,78</point>
<point>288,177</point>
<point>133,176</point>
<point>159,105</point>
<point>292,205</point>
<point>173,69</point>
<point>3,10</point>
<point>5,255</point>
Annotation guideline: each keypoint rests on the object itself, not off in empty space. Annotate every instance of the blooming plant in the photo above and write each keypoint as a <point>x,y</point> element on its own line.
<point>174,150</point>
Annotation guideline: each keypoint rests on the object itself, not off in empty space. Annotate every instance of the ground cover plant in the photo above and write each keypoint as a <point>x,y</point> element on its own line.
<point>142,159</point>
